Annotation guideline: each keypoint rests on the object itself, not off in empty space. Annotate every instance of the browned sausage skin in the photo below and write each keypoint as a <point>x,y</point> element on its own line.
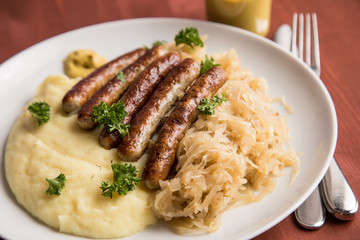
<point>138,93</point>
<point>163,154</point>
<point>112,91</point>
<point>85,88</point>
<point>145,122</point>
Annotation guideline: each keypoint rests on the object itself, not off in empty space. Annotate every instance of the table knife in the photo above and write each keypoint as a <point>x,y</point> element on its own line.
<point>336,193</point>
<point>311,214</point>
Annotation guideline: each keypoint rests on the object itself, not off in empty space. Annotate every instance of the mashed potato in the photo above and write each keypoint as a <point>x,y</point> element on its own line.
<point>34,153</point>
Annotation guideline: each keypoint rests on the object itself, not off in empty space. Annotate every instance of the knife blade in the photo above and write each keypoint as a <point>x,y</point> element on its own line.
<point>282,37</point>
<point>335,191</point>
<point>311,214</point>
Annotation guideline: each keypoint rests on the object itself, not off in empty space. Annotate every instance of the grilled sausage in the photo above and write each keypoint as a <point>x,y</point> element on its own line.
<point>112,91</point>
<point>138,93</point>
<point>163,153</point>
<point>145,122</point>
<point>84,89</point>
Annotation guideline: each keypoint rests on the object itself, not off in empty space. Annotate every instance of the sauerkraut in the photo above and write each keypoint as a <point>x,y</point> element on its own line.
<point>228,158</point>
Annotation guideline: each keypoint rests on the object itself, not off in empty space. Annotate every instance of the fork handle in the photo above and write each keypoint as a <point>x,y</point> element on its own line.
<point>338,197</point>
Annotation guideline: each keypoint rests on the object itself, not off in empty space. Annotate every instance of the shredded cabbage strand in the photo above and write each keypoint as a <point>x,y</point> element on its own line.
<point>228,158</point>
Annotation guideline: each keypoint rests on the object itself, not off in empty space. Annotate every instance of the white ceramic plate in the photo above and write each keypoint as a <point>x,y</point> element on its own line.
<point>313,125</point>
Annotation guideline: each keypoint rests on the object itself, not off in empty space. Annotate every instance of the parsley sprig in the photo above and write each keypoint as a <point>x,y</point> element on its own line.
<point>125,180</point>
<point>189,36</point>
<point>56,184</point>
<point>156,43</point>
<point>40,111</point>
<point>111,116</point>
<point>208,107</point>
<point>207,64</point>
<point>120,76</point>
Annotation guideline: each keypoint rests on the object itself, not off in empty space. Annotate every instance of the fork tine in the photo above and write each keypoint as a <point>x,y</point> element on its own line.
<point>301,36</point>
<point>293,34</point>
<point>307,39</point>
<point>311,40</point>
<point>316,48</point>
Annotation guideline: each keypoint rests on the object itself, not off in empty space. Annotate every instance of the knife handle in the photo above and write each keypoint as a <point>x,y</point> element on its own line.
<point>311,214</point>
<point>338,197</point>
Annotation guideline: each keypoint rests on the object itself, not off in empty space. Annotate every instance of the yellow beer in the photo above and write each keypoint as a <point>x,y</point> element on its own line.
<point>252,15</point>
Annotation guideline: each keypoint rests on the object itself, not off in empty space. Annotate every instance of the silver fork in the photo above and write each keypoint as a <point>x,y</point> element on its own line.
<point>334,191</point>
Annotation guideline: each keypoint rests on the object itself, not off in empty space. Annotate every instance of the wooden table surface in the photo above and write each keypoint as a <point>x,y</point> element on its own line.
<point>26,22</point>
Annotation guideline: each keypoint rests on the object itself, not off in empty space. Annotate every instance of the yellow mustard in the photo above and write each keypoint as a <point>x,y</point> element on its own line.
<point>82,62</point>
<point>252,15</point>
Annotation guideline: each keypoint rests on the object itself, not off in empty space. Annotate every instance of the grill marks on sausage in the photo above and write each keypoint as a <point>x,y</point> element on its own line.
<point>163,153</point>
<point>153,70</point>
<point>84,89</point>
<point>138,93</point>
<point>112,91</point>
<point>145,122</point>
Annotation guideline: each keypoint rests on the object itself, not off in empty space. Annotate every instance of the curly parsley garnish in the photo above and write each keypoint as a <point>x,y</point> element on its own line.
<point>111,116</point>
<point>207,64</point>
<point>125,180</point>
<point>56,184</point>
<point>208,107</point>
<point>40,111</point>
<point>189,36</point>
<point>120,76</point>
<point>158,43</point>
